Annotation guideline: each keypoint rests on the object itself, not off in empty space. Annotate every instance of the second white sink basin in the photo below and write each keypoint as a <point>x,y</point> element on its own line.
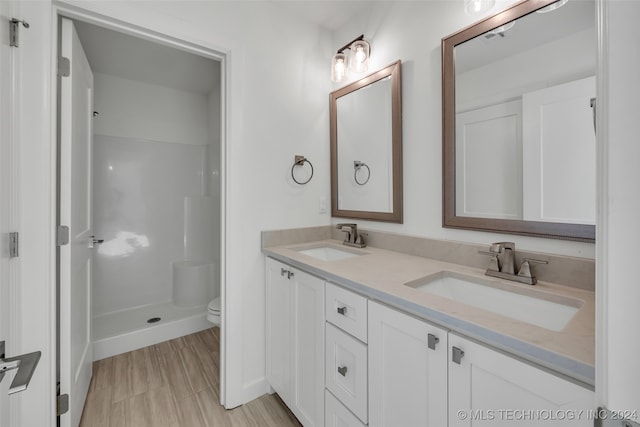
<point>535,307</point>
<point>329,253</point>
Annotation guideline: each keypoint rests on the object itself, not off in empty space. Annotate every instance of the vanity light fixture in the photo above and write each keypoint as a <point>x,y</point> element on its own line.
<point>474,7</point>
<point>552,6</point>
<point>356,62</point>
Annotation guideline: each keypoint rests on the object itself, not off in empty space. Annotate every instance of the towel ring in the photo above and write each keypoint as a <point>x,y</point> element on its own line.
<point>300,161</point>
<point>357,165</point>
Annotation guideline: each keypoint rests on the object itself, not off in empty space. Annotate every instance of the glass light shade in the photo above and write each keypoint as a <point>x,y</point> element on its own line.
<point>552,6</point>
<point>474,7</point>
<point>359,57</point>
<point>339,67</point>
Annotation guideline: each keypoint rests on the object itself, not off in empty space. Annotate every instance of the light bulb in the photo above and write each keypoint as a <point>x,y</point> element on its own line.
<point>474,7</point>
<point>359,56</point>
<point>339,67</point>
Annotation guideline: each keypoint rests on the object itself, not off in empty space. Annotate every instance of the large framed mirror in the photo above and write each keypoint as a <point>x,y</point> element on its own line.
<point>366,147</point>
<point>519,139</point>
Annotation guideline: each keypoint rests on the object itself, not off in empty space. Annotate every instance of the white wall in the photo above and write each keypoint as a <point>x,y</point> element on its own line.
<point>412,32</point>
<point>618,293</point>
<point>140,188</point>
<point>139,110</point>
<point>150,154</point>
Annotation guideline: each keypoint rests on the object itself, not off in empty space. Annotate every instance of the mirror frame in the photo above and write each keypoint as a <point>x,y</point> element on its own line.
<point>395,71</point>
<point>577,232</point>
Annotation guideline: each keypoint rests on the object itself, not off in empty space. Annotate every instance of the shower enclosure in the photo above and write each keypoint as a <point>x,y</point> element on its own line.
<point>156,197</point>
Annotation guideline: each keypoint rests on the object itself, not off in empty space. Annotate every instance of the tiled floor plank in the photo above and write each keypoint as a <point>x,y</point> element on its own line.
<point>172,384</point>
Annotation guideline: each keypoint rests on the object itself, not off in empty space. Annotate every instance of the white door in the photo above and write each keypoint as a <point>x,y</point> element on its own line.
<point>407,370</point>
<point>488,388</point>
<point>76,133</point>
<point>278,337</point>
<point>308,348</point>
<point>5,190</point>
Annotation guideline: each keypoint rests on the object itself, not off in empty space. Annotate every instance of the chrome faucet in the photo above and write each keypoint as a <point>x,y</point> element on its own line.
<point>503,268</point>
<point>351,237</point>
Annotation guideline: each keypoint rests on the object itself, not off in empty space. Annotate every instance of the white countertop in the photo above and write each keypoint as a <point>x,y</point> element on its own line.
<point>381,275</point>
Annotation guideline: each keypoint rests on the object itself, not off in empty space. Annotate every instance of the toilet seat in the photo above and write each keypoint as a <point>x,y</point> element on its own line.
<point>214,306</point>
<point>213,311</point>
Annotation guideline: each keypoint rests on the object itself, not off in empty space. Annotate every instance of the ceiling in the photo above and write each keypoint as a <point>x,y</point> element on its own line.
<point>121,55</point>
<point>330,14</point>
<point>528,32</point>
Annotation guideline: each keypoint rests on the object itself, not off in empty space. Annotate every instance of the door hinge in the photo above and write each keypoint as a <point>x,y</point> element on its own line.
<point>62,237</point>
<point>64,67</point>
<point>14,244</point>
<point>62,404</point>
<point>14,31</point>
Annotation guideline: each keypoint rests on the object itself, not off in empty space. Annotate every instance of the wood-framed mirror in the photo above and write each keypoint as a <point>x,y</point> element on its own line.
<point>518,99</point>
<point>366,147</point>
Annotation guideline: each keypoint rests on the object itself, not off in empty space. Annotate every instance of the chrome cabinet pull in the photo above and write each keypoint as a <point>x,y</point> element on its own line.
<point>342,370</point>
<point>25,364</point>
<point>432,340</point>
<point>284,271</point>
<point>342,310</point>
<point>456,355</point>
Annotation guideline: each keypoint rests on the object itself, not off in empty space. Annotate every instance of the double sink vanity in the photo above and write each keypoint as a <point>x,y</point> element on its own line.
<point>408,331</point>
<point>371,336</point>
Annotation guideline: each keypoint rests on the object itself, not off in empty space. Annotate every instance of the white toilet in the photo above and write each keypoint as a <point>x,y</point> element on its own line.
<point>213,311</point>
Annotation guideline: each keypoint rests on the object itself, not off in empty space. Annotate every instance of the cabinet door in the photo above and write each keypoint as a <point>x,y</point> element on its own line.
<point>489,388</point>
<point>278,334</point>
<point>308,348</point>
<point>407,377</point>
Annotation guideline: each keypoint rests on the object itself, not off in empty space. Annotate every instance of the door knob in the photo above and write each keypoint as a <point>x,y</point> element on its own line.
<point>25,364</point>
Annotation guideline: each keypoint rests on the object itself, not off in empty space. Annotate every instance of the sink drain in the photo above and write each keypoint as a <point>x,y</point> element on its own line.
<point>154,320</point>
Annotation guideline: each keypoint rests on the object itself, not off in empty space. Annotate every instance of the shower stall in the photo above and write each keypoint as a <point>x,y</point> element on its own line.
<point>156,190</point>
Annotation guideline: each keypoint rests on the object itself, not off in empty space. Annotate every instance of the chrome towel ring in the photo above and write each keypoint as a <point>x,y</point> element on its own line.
<point>357,165</point>
<point>300,161</point>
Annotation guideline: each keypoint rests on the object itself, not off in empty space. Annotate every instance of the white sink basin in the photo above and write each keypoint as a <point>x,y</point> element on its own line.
<point>329,253</point>
<point>535,307</point>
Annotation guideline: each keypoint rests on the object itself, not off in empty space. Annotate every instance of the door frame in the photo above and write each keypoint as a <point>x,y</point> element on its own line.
<point>198,48</point>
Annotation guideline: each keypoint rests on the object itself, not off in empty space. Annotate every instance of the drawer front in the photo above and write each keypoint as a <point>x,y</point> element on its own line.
<point>347,310</point>
<point>337,415</point>
<point>346,370</point>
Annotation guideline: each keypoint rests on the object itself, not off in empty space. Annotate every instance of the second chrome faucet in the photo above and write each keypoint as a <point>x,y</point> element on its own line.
<point>351,237</point>
<point>504,267</point>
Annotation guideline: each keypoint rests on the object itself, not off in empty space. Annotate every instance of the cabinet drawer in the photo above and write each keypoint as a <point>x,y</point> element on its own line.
<point>347,310</point>
<point>346,370</point>
<point>337,415</point>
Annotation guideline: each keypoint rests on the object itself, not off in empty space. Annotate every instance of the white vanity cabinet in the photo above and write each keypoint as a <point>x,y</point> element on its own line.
<point>487,387</point>
<point>346,361</point>
<point>295,340</point>
<point>407,370</point>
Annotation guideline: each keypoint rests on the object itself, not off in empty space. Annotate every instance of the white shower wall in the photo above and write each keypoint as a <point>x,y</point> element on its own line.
<point>152,204</point>
<point>139,206</point>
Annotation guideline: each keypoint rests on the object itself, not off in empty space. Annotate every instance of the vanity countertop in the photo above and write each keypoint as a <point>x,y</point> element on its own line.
<point>381,275</point>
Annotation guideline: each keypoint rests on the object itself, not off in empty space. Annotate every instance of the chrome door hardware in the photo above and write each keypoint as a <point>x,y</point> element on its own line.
<point>284,271</point>
<point>432,340</point>
<point>456,355</point>
<point>62,235</point>
<point>14,28</point>
<point>25,364</point>
<point>95,241</point>
<point>342,370</point>
<point>14,244</point>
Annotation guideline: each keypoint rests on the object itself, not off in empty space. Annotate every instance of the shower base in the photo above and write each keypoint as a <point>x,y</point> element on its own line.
<point>127,330</point>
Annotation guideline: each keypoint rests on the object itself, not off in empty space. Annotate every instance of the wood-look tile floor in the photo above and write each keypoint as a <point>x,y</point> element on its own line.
<point>172,384</point>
